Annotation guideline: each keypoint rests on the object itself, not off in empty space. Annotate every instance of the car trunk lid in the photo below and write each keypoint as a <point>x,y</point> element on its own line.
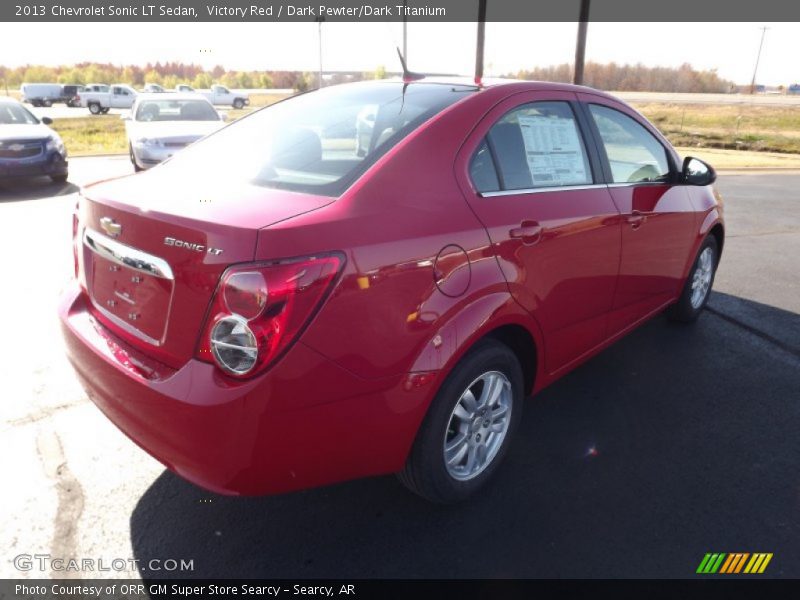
<point>153,252</point>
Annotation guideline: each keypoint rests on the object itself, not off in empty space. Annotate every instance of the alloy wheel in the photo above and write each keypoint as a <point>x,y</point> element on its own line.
<point>478,425</point>
<point>701,280</point>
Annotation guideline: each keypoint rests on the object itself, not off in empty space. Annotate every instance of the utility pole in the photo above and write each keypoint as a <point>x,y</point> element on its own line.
<point>319,30</point>
<point>758,58</point>
<point>405,32</point>
<point>479,44</point>
<point>580,46</point>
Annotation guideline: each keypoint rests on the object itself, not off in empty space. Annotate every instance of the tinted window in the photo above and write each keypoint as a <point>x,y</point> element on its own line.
<point>316,142</point>
<point>482,171</point>
<point>633,152</point>
<point>539,145</point>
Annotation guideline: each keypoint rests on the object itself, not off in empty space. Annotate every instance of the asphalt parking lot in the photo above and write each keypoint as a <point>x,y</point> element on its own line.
<point>675,442</point>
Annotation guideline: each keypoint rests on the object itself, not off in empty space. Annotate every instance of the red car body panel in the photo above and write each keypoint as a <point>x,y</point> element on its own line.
<point>430,269</point>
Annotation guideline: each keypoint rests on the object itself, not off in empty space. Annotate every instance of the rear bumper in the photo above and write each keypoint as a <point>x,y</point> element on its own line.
<point>51,163</point>
<point>305,423</point>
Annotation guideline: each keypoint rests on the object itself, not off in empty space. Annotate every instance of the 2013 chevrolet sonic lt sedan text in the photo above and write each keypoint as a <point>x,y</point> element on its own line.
<point>291,302</point>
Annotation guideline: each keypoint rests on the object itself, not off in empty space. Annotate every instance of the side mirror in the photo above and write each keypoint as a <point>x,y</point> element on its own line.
<point>47,120</point>
<point>126,116</point>
<point>697,172</point>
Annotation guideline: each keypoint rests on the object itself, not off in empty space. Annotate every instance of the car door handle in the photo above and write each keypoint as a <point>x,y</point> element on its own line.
<point>636,219</point>
<point>530,232</point>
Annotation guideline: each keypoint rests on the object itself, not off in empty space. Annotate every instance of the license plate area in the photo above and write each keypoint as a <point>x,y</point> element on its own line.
<point>132,297</point>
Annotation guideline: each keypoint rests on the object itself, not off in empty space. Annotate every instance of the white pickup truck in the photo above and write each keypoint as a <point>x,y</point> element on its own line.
<point>100,102</point>
<point>218,95</point>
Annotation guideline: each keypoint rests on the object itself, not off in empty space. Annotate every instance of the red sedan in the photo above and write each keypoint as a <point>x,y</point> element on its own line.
<point>371,278</point>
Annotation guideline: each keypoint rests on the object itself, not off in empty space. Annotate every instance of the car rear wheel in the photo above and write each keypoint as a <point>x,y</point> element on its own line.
<point>47,103</point>
<point>238,103</point>
<point>698,285</point>
<point>94,108</point>
<point>469,426</point>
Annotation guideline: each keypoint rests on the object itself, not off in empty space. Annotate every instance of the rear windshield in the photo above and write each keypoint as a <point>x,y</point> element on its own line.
<point>14,114</point>
<point>318,142</point>
<point>176,110</point>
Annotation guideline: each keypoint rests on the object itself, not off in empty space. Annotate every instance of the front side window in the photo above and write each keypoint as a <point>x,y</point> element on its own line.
<point>538,145</point>
<point>633,153</point>
<point>317,142</point>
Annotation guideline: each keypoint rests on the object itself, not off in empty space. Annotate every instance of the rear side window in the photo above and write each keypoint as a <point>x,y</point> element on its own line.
<point>482,171</point>
<point>537,145</point>
<point>634,154</point>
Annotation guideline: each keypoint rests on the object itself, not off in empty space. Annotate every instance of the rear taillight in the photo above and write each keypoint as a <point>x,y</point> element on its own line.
<point>258,310</point>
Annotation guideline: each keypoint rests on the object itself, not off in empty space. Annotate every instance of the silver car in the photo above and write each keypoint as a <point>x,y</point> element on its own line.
<point>159,125</point>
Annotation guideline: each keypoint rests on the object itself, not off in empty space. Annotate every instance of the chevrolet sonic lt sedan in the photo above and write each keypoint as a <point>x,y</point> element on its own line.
<point>159,125</point>
<point>271,309</point>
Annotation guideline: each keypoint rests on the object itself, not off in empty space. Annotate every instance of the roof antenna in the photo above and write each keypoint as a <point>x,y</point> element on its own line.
<point>408,76</point>
<point>479,45</point>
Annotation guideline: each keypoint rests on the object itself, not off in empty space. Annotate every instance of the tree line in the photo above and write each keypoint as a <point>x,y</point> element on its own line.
<point>167,74</point>
<point>634,78</point>
<point>611,76</point>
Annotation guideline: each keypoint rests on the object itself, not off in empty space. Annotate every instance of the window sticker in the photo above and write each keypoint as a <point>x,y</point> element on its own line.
<point>553,150</point>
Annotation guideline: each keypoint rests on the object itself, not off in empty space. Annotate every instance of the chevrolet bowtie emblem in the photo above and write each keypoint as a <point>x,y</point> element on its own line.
<point>110,226</point>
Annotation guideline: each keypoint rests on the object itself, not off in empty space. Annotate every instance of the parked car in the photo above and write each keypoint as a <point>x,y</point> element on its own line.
<point>219,95</point>
<point>269,311</point>
<point>28,147</point>
<point>41,94</point>
<point>71,94</point>
<point>161,124</point>
<point>153,88</point>
<point>100,102</point>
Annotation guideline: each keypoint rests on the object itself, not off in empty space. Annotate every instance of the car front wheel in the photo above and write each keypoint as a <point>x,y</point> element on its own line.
<point>238,103</point>
<point>469,426</point>
<point>697,289</point>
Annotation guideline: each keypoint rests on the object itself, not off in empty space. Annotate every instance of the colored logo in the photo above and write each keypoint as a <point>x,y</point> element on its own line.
<point>733,563</point>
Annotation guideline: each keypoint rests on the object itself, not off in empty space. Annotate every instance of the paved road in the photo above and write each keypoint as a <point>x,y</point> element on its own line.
<point>695,431</point>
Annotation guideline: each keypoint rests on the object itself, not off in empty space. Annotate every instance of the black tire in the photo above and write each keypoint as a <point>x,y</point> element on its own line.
<point>238,103</point>
<point>47,103</point>
<point>59,178</point>
<point>94,108</point>
<point>136,167</point>
<point>684,310</point>
<point>105,111</point>
<point>425,472</point>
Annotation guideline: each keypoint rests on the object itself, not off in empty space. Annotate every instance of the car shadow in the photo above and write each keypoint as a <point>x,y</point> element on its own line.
<point>33,188</point>
<point>676,441</point>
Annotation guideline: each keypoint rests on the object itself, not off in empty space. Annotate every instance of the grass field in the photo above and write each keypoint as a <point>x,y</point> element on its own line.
<point>728,136</point>
<point>732,127</point>
<point>102,134</point>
